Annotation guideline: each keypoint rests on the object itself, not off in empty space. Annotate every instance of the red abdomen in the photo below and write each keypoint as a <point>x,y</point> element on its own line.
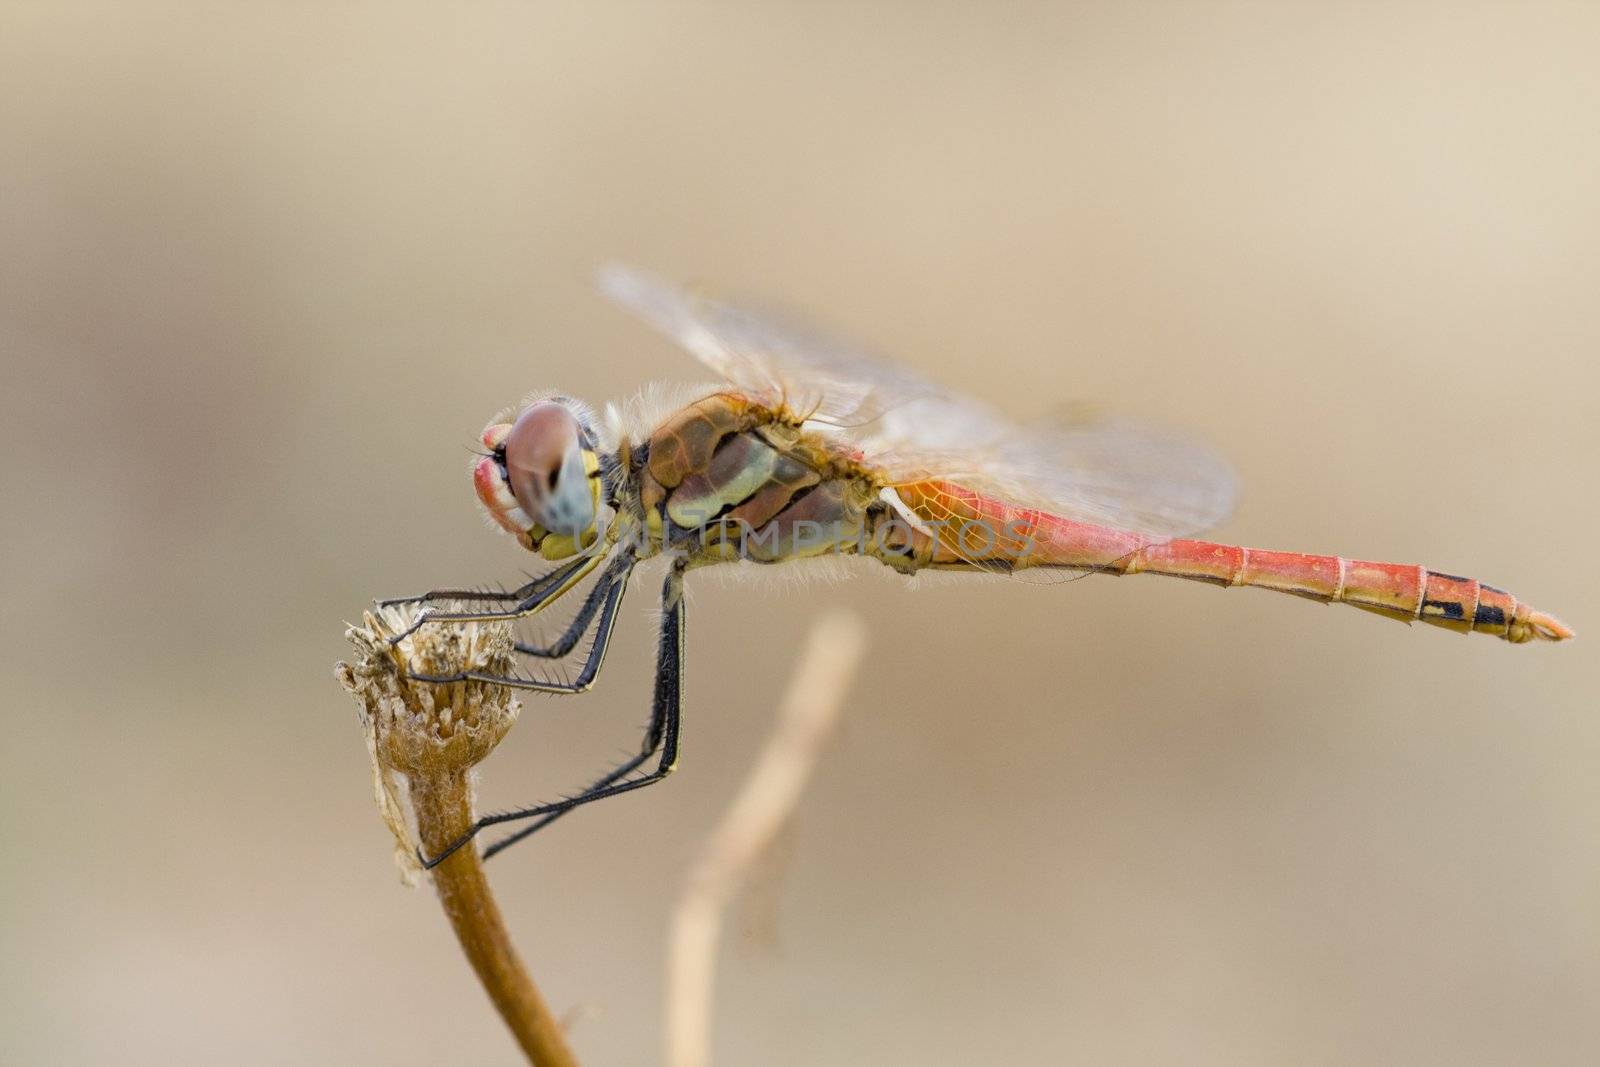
<point>963,528</point>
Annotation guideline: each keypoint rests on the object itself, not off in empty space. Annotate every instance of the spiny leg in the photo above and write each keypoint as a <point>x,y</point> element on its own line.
<point>622,770</point>
<point>665,715</point>
<point>561,646</point>
<point>522,592</point>
<point>551,587</point>
<point>485,595</point>
<point>662,734</point>
<point>606,596</point>
<point>627,767</point>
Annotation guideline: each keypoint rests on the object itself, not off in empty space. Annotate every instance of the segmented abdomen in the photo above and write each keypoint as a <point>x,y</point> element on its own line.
<point>965,528</point>
<point>1401,591</point>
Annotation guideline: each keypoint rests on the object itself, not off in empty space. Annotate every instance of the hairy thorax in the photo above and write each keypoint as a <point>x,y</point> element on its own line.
<point>728,478</point>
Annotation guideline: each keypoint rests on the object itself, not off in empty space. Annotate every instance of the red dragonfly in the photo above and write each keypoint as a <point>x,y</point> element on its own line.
<point>808,450</point>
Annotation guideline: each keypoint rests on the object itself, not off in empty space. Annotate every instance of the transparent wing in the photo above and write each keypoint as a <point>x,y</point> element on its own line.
<point>1113,473</point>
<point>763,353</point>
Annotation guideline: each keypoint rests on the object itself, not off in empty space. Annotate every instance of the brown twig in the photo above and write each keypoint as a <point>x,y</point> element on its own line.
<point>432,736</point>
<point>810,707</point>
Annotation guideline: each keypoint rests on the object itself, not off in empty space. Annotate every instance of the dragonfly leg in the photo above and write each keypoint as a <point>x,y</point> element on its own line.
<point>484,595</point>
<point>522,592</point>
<point>546,589</point>
<point>621,771</point>
<point>660,736</point>
<point>616,574</point>
<point>605,597</point>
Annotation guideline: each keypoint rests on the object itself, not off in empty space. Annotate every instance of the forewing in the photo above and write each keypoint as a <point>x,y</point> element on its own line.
<point>766,354</point>
<point>1112,473</point>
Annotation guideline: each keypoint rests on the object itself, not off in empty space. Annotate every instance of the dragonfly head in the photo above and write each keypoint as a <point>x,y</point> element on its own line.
<point>541,480</point>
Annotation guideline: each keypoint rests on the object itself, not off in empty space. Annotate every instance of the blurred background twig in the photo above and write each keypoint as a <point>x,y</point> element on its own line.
<point>811,705</point>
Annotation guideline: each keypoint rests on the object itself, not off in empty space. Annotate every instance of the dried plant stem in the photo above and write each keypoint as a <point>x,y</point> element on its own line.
<point>443,808</point>
<point>810,707</point>
<point>431,736</point>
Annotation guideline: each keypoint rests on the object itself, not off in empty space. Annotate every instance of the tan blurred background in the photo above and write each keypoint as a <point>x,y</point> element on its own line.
<point>266,269</point>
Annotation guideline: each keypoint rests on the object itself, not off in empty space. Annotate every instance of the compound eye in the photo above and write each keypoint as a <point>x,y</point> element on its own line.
<point>536,450</point>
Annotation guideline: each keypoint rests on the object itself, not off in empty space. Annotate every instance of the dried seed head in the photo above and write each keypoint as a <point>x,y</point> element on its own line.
<point>422,729</point>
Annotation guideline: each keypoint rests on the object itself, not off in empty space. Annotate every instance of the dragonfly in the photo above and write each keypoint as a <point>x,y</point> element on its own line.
<point>806,449</point>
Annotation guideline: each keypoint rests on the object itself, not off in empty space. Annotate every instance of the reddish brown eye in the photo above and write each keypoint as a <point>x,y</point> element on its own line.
<point>535,450</point>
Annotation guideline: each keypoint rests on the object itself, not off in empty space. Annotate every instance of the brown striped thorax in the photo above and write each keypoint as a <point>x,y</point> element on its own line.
<point>729,478</point>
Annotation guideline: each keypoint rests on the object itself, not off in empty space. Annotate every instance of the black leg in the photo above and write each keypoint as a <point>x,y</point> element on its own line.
<point>546,589</point>
<point>622,770</point>
<point>616,573</point>
<point>662,734</point>
<point>485,595</point>
<point>522,592</point>
<point>607,597</point>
